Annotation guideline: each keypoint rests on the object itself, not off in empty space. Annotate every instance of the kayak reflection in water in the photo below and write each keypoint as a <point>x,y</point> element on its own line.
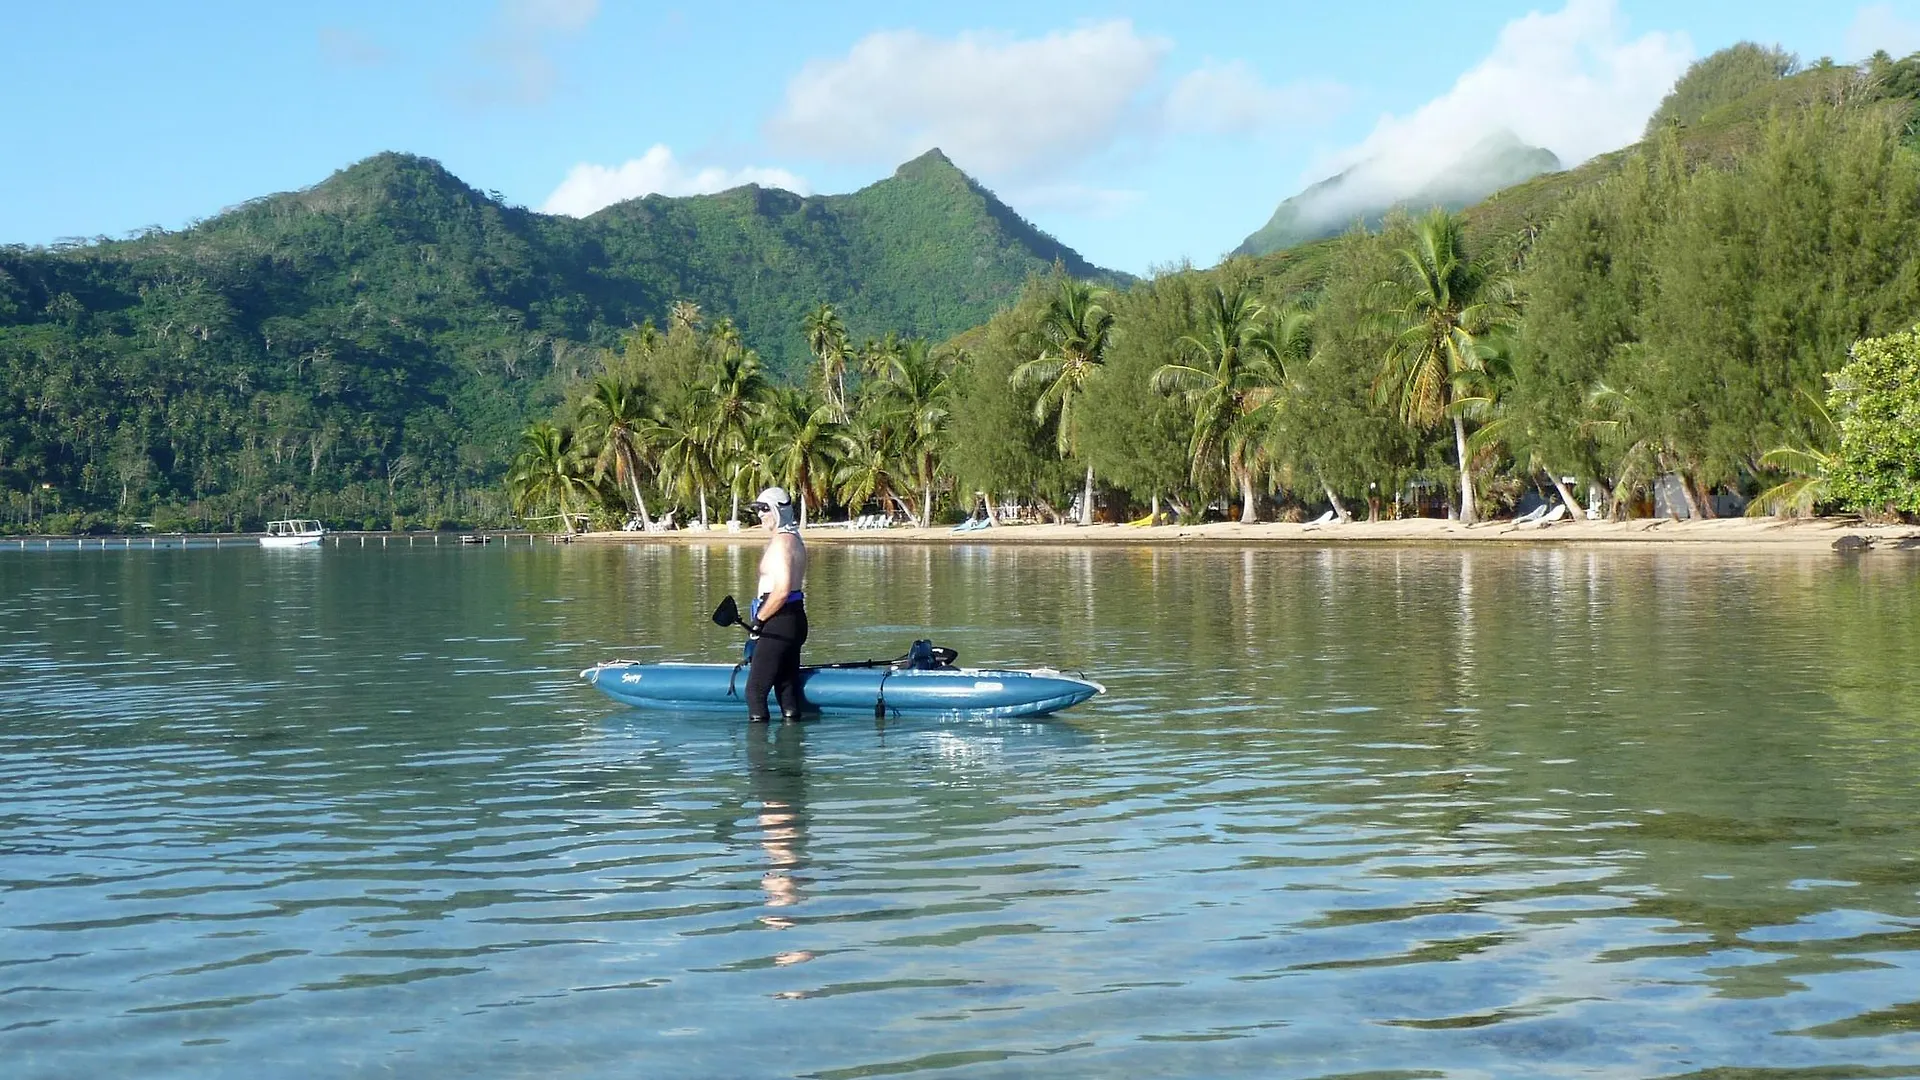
<point>779,778</point>
<point>777,623</point>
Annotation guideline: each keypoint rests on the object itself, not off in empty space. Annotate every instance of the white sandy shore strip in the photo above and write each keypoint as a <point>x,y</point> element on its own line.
<point>1724,533</point>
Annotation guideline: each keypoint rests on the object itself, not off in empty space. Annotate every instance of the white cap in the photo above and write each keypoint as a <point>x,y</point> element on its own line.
<point>773,498</point>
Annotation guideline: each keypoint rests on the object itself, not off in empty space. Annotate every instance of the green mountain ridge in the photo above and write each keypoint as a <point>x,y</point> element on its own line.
<point>925,252</point>
<point>393,325</point>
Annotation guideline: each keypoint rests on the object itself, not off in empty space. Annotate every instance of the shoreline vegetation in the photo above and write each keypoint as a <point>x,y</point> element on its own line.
<point>1728,535</point>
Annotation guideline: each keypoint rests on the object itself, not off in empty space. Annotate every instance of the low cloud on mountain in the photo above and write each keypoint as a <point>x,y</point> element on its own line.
<point>1571,82</point>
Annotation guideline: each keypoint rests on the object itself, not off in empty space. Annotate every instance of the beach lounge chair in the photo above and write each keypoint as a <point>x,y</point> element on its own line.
<point>1323,519</point>
<point>1558,513</point>
<point>1533,515</point>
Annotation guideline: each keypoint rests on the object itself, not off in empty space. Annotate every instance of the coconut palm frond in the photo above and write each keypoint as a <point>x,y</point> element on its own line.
<point>1796,497</point>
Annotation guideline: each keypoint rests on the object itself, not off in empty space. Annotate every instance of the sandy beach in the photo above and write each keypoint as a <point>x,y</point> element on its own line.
<point>1728,534</point>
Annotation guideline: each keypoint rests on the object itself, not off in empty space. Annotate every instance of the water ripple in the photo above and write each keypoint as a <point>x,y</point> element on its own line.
<point>348,822</point>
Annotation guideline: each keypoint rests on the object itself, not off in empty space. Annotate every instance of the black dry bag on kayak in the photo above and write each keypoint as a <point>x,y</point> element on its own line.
<point>924,655</point>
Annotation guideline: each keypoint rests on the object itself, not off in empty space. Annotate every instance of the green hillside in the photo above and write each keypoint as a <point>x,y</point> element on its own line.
<point>376,342</point>
<point>924,253</point>
<point>1729,127</point>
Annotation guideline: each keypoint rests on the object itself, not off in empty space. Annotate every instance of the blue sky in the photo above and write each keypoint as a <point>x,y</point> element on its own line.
<point>1140,134</point>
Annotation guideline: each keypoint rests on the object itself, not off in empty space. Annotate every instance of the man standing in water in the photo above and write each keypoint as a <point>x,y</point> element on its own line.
<point>778,622</point>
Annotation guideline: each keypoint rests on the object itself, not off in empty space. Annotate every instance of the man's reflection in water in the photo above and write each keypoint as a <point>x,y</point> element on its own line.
<point>777,766</point>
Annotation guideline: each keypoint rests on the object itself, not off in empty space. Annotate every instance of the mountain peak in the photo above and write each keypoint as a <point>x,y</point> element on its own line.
<point>388,177</point>
<point>933,161</point>
<point>931,187</point>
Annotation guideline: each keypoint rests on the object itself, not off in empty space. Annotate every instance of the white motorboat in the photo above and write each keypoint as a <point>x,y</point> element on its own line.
<point>294,532</point>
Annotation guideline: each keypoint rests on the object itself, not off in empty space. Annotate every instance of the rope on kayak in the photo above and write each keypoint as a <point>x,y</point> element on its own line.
<point>880,700</point>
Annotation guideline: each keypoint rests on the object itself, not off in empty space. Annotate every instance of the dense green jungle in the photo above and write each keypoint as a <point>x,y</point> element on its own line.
<point>1723,308</point>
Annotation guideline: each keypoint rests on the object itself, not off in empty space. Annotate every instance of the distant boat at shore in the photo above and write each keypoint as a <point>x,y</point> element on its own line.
<point>293,532</point>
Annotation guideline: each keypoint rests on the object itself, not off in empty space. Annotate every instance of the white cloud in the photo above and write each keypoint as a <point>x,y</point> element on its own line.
<point>1231,98</point>
<point>1079,200</point>
<point>1028,114</point>
<point>1879,26</point>
<point>567,16</point>
<point>1570,81</point>
<point>349,48</point>
<point>589,187</point>
<point>993,103</point>
<point>514,63</point>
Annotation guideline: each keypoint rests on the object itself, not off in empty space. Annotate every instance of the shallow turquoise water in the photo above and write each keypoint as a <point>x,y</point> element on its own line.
<point>1394,813</point>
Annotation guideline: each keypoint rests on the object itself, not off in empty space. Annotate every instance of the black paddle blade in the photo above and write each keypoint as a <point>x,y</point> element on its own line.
<point>727,614</point>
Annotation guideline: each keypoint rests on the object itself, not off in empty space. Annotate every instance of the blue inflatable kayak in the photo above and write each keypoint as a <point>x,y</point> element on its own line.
<point>880,689</point>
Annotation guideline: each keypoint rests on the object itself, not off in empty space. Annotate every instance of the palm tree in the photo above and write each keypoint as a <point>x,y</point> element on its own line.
<point>733,396</point>
<point>1809,485</point>
<point>547,473</point>
<point>684,454</point>
<point>1076,328</point>
<point>748,464</point>
<point>920,388</point>
<point>870,453</point>
<point>735,387</point>
<point>1438,304</point>
<point>1286,335</point>
<point>1810,470</point>
<point>876,357</point>
<point>684,316</point>
<point>1637,431</point>
<point>1233,370</point>
<point>827,340</point>
<point>614,418</point>
<point>1501,423</point>
<point>802,434</point>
